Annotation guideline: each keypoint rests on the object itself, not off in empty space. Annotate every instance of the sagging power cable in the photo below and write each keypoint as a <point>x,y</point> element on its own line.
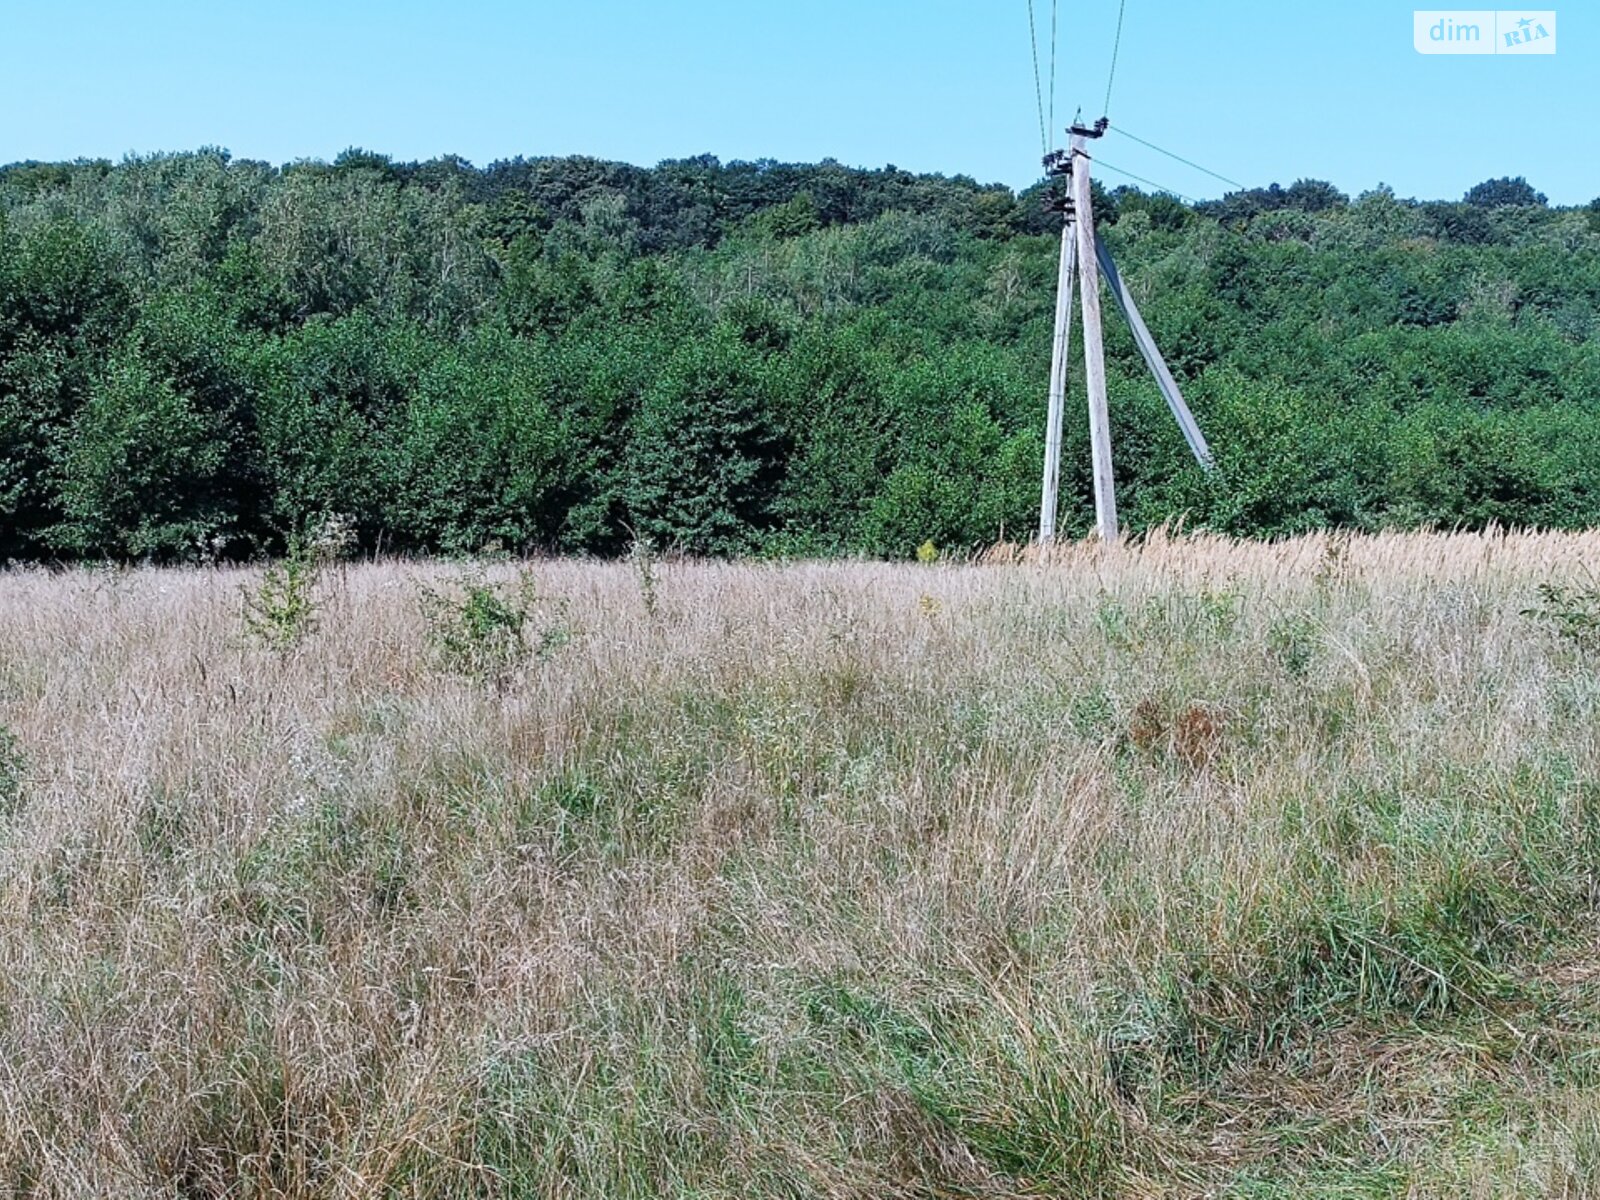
<point>1038,88</point>
<point>1116,52</point>
<point>1055,8</point>
<point>1180,158</point>
<point>1160,187</point>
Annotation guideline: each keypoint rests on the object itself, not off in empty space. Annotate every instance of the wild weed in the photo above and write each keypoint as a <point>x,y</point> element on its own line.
<point>1573,611</point>
<point>485,629</point>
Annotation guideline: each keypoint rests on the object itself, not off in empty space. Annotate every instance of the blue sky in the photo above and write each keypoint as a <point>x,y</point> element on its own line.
<point>1259,92</point>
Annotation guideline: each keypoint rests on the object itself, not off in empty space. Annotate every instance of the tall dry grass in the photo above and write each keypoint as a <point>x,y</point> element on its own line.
<point>1193,868</point>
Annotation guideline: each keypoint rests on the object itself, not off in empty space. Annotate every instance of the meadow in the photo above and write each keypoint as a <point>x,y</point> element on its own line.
<point>1192,867</point>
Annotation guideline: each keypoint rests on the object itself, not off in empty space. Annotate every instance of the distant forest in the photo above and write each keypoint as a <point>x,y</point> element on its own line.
<point>201,356</point>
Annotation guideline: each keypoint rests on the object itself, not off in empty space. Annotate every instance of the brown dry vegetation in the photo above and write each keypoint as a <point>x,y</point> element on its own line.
<point>1192,868</point>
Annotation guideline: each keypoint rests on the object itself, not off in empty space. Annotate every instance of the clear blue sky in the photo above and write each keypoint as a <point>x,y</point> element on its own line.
<point>1258,91</point>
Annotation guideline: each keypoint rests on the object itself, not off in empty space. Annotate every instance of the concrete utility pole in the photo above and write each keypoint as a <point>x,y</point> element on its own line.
<point>1083,253</point>
<point>1094,346</point>
<point>1048,503</point>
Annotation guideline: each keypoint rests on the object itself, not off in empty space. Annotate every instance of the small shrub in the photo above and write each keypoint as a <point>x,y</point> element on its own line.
<point>481,628</point>
<point>927,553</point>
<point>1292,644</point>
<point>1572,611</point>
<point>281,612</point>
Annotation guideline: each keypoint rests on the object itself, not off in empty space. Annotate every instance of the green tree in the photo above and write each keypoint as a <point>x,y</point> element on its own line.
<point>705,459</point>
<point>1505,193</point>
<point>478,456</point>
<point>33,405</point>
<point>331,391</point>
<point>967,471</point>
<point>62,306</point>
<point>140,471</point>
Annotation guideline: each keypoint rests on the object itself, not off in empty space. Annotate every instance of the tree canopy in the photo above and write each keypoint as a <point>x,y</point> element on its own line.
<point>201,355</point>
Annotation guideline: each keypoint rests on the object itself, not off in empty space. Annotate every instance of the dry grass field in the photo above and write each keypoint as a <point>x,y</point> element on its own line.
<point>1193,868</point>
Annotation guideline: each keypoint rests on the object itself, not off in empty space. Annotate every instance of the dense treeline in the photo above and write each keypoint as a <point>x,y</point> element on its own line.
<point>199,356</point>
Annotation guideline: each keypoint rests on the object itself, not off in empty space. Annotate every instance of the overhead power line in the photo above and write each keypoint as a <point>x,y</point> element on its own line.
<point>1055,8</point>
<point>1038,89</point>
<point>1180,158</point>
<point>1160,187</point>
<point>1116,51</point>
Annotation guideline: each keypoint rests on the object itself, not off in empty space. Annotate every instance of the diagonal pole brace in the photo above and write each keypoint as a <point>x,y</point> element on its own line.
<point>1152,357</point>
